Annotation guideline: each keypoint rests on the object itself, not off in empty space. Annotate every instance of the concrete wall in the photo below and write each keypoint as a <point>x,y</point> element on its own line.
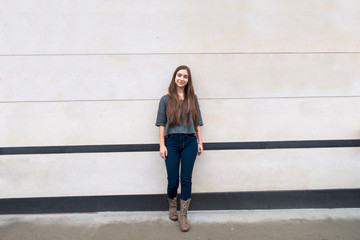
<point>92,72</point>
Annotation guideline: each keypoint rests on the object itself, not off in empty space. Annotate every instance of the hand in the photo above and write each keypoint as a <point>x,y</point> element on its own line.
<point>200,148</point>
<point>163,152</point>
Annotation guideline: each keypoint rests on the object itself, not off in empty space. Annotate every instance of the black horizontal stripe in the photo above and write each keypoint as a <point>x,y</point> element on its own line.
<point>80,149</point>
<point>339,198</point>
<point>155,147</point>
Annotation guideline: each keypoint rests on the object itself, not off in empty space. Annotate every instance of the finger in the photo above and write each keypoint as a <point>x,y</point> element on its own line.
<point>165,154</point>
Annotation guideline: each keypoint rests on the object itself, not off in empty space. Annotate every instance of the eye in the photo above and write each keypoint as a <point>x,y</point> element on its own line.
<point>186,76</point>
<point>179,75</point>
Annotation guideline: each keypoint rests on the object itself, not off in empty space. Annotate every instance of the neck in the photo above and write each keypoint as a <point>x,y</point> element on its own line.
<point>180,91</point>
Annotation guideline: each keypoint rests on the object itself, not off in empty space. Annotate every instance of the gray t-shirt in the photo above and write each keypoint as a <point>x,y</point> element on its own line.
<point>162,120</point>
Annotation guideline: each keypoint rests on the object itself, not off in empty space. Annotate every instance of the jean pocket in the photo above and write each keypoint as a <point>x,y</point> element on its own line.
<point>168,136</point>
<point>190,135</point>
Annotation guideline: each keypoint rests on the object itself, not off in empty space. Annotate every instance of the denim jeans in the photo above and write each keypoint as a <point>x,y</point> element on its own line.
<point>182,150</point>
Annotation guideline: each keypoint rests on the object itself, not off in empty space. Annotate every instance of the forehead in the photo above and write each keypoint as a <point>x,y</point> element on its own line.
<point>183,72</point>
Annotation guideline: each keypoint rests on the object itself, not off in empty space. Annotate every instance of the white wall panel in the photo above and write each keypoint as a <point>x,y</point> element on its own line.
<point>285,169</point>
<point>281,119</point>
<point>78,123</point>
<point>59,78</point>
<point>125,122</point>
<point>144,173</point>
<point>83,27</point>
<point>81,174</point>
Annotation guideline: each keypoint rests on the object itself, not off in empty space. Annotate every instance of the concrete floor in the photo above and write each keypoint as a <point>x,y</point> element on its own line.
<point>318,224</point>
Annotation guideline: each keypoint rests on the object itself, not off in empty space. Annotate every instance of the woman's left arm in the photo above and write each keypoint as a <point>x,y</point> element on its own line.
<point>200,143</point>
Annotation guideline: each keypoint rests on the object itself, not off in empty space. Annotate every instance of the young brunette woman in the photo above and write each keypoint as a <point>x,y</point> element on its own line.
<point>179,120</point>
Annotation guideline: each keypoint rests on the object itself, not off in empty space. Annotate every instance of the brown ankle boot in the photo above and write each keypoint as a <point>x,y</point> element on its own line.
<point>184,222</point>
<point>173,215</point>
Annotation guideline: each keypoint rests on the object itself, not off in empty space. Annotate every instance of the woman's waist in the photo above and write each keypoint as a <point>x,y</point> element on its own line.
<point>182,134</point>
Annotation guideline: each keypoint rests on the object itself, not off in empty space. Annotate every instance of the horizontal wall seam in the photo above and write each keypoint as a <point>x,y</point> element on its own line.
<point>168,53</point>
<point>155,99</point>
<point>155,147</point>
<point>327,198</point>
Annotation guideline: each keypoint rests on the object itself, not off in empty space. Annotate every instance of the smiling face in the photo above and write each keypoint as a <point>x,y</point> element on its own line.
<point>181,78</point>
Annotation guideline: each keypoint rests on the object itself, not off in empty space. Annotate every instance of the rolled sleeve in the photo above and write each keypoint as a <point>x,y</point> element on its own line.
<point>200,121</point>
<point>161,115</point>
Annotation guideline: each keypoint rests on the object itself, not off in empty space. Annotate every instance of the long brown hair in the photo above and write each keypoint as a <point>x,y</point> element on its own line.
<point>176,108</point>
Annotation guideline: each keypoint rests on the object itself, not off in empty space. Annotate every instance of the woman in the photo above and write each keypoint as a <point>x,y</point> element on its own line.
<point>179,120</point>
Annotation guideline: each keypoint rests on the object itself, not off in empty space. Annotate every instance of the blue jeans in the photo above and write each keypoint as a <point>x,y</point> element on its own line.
<point>182,149</point>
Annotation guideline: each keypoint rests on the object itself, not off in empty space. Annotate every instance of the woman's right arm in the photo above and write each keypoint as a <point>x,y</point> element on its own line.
<point>163,149</point>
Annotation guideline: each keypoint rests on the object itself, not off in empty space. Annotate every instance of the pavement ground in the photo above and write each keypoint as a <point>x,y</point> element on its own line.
<point>319,224</point>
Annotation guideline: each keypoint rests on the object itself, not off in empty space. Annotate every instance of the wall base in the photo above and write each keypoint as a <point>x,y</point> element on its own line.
<point>337,198</point>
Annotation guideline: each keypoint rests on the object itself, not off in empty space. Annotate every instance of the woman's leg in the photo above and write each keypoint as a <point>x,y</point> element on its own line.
<point>188,156</point>
<point>172,163</point>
